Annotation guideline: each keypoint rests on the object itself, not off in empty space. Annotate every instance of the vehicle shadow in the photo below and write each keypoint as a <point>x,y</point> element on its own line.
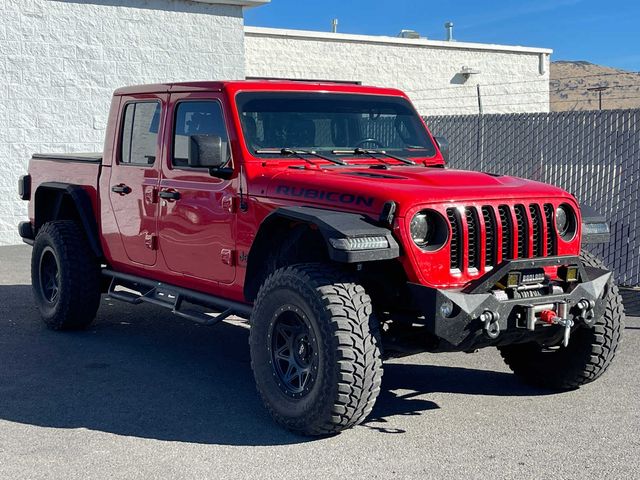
<point>419,380</point>
<point>145,373</point>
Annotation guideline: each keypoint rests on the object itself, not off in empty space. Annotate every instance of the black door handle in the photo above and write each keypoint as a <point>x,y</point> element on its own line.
<point>170,194</point>
<point>122,189</point>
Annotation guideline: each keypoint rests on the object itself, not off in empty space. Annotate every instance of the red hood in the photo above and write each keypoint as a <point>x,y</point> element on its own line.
<point>366,189</point>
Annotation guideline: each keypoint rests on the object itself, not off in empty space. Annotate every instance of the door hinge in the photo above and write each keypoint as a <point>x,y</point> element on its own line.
<point>151,241</point>
<point>226,255</point>
<point>228,203</point>
<point>151,195</point>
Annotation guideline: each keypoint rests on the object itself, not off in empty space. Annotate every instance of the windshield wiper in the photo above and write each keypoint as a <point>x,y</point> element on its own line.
<point>298,153</point>
<point>372,153</point>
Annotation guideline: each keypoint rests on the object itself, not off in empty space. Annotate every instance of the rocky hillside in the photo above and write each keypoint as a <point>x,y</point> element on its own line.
<point>570,80</point>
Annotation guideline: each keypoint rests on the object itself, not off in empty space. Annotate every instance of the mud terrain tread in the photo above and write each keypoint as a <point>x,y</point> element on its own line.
<point>350,337</point>
<point>585,360</point>
<point>79,276</point>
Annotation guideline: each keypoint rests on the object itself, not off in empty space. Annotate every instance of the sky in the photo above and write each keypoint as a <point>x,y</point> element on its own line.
<point>602,32</point>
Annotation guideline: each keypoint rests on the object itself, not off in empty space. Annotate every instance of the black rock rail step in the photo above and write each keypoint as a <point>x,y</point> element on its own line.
<point>140,290</point>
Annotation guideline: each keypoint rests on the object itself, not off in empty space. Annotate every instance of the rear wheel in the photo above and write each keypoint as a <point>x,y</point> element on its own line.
<point>65,276</point>
<point>588,355</point>
<point>314,349</point>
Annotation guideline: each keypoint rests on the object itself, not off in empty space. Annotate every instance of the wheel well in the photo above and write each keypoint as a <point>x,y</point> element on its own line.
<point>52,205</point>
<point>281,242</point>
<point>66,203</point>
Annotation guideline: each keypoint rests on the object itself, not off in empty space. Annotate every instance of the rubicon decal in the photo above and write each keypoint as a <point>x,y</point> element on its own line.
<point>314,194</point>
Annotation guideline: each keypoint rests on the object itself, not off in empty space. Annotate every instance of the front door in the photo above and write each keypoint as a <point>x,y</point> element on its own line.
<point>197,210</point>
<point>135,175</point>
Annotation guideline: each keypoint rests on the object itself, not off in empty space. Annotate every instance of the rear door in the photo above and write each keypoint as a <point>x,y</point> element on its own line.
<point>196,228</point>
<point>135,174</point>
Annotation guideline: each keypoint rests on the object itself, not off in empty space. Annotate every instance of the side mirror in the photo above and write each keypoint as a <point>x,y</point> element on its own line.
<point>443,146</point>
<point>207,151</point>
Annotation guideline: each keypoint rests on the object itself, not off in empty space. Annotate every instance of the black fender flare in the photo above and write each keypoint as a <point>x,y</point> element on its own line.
<point>335,225</point>
<point>83,206</point>
<point>595,227</point>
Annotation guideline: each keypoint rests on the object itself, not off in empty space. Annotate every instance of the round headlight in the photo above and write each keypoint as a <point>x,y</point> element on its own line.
<point>562,222</point>
<point>421,228</point>
<point>429,230</point>
<point>565,222</point>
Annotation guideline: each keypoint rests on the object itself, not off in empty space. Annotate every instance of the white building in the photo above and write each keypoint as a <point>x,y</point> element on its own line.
<point>440,77</point>
<point>60,60</point>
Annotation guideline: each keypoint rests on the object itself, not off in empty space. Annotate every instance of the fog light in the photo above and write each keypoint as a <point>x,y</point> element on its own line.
<point>568,274</point>
<point>513,279</point>
<point>446,308</point>
<point>510,280</point>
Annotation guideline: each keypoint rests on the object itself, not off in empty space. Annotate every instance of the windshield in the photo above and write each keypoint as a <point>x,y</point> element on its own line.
<point>332,123</point>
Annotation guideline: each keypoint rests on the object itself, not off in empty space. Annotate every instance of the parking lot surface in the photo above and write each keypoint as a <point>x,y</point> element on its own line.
<point>145,394</point>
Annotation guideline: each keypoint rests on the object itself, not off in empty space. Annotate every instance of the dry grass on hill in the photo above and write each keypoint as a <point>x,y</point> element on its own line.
<point>570,80</point>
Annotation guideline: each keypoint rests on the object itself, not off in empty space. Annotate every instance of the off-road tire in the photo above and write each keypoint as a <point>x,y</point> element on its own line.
<point>78,276</point>
<point>588,355</point>
<point>349,362</point>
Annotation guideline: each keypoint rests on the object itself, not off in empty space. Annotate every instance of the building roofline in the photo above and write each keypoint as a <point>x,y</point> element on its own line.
<point>240,3</point>
<point>382,40</point>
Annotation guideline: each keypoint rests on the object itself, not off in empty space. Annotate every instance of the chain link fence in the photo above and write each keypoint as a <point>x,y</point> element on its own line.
<point>594,155</point>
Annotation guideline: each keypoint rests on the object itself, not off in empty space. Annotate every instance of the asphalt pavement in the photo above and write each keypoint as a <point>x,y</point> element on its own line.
<point>145,394</point>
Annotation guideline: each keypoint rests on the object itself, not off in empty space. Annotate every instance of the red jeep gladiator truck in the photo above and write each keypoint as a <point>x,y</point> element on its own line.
<point>326,216</point>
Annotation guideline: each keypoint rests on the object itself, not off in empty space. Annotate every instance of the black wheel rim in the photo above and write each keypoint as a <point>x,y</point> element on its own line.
<point>49,276</point>
<point>294,352</point>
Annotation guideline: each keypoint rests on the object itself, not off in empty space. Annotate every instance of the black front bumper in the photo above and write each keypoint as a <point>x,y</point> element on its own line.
<point>465,328</point>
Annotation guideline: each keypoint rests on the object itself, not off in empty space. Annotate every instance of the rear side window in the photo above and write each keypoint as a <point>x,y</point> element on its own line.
<point>140,133</point>
<point>196,118</point>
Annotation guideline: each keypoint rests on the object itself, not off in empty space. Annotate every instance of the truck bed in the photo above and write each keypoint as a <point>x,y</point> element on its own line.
<point>65,170</point>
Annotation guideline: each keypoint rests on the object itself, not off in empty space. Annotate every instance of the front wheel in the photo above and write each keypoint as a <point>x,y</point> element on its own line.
<point>314,347</point>
<point>588,355</point>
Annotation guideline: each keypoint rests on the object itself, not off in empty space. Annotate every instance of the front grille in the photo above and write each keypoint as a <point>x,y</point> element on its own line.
<point>456,239</point>
<point>500,233</point>
<point>536,228</point>
<point>523,231</point>
<point>551,237</point>
<point>473,233</point>
<point>489,219</point>
<point>506,223</point>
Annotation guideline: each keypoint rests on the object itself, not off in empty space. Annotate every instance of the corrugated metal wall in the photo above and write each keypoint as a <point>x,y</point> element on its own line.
<point>594,155</point>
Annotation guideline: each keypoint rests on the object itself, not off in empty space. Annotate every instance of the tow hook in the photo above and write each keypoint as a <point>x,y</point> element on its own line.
<point>550,317</point>
<point>491,325</point>
<point>586,311</point>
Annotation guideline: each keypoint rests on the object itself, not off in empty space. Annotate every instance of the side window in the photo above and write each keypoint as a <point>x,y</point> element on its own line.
<point>196,118</point>
<point>140,133</point>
